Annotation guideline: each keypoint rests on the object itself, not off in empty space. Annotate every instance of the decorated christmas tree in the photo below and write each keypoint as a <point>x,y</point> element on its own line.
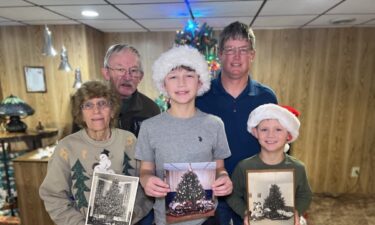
<point>112,203</point>
<point>274,202</point>
<point>190,197</point>
<point>189,189</point>
<point>201,38</point>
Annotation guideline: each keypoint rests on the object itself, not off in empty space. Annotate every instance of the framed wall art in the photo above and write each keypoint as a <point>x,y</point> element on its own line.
<point>35,79</point>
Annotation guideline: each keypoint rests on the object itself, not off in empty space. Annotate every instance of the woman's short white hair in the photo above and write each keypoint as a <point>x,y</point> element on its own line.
<point>181,56</point>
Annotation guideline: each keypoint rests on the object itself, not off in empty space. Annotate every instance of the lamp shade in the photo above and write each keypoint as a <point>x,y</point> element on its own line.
<point>48,49</point>
<point>64,64</point>
<point>77,78</point>
<point>13,107</point>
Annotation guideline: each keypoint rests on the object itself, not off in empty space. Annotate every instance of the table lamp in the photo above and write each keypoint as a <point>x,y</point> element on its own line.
<point>13,107</point>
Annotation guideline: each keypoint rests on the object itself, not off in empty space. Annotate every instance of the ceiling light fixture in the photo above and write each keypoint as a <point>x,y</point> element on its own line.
<point>89,13</point>
<point>340,21</point>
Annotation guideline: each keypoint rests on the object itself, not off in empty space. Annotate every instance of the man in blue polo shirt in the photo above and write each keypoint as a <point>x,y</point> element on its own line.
<point>233,95</point>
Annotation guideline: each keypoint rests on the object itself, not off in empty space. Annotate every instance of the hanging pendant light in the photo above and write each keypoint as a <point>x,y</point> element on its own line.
<point>64,64</point>
<point>48,49</point>
<point>77,78</point>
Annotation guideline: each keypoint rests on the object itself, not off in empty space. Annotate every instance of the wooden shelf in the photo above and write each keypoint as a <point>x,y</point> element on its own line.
<point>9,220</point>
<point>29,173</point>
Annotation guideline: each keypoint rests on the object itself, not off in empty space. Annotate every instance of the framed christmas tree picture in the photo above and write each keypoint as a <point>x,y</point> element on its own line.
<point>191,194</point>
<point>270,196</point>
<point>112,199</point>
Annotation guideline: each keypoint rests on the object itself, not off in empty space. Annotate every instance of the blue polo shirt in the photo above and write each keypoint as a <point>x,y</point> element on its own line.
<point>235,113</point>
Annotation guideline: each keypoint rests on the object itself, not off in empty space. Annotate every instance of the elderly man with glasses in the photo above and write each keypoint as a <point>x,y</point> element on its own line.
<point>123,68</point>
<point>233,95</point>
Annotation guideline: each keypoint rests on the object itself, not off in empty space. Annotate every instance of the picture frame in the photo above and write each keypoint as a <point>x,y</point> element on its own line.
<point>35,79</point>
<point>191,196</point>
<point>271,196</point>
<point>112,199</point>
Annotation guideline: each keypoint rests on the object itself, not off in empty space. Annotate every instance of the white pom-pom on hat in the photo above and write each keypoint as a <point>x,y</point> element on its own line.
<point>181,56</point>
<point>272,111</point>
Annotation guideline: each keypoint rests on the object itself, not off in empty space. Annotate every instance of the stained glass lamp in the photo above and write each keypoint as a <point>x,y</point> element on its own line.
<point>15,108</point>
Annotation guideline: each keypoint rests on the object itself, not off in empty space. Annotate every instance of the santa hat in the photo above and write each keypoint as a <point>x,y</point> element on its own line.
<point>181,56</point>
<point>287,118</point>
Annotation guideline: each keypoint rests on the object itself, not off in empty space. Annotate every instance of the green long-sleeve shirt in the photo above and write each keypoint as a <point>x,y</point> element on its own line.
<point>303,194</point>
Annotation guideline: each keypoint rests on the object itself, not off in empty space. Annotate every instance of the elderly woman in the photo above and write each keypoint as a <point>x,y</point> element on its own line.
<point>96,147</point>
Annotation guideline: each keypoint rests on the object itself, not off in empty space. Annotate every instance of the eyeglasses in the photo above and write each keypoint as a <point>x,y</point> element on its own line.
<point>103,104</point>
<point>233,50</point>
<point>133,72</point>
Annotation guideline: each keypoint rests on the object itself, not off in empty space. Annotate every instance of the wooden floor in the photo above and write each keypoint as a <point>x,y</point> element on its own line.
<point>348,209</point>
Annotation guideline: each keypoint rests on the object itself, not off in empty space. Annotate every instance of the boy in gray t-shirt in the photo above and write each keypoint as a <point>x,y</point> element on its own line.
<point>182,133</point>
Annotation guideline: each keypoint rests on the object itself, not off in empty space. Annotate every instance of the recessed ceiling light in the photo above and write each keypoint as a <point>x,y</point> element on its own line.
<point>89,13</point>
<point>339,21</point>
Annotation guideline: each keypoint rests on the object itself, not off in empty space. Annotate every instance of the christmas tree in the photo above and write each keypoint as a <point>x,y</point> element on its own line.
<point>190,197</point>
<point>189,189</point>
<point>201,38</point>
<point>112,203</point>
<point>126,165</point>
<point>274,202</point>
<point>79,176</point>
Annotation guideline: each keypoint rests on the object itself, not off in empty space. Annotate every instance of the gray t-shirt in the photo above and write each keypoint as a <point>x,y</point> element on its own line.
<point>167,139</point>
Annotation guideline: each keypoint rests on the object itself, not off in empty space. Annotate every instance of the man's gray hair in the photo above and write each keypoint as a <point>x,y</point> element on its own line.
<point>237,31</point>
<point>119,48</point>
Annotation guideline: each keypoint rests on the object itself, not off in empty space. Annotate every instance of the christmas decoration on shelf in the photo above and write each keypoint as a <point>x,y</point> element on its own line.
<point>200,37</point>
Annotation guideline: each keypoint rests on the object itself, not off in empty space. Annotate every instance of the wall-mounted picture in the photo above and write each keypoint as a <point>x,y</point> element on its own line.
<point>112,199</point>
<point>270,196</point>
<point>191,193</point>
<point>35,79</point>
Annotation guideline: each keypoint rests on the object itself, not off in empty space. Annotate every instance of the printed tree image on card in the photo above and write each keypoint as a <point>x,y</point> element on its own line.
<point>191,193</point>
<point>270,196</point>
<point>112,199</point>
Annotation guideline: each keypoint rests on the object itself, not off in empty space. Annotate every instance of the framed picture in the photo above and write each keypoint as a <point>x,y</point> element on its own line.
<point>35,79</point>
<point>112,199</point>
<point>270,196</point>
<point>191,194</point>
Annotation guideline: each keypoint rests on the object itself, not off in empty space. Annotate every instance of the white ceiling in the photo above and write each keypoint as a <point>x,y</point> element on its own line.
<point>172,15</point>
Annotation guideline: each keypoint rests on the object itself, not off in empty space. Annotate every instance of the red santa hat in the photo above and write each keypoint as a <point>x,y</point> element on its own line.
<point>286,115</point>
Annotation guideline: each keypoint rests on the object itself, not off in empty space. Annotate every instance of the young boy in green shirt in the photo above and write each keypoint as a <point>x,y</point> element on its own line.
<point>274,126</point>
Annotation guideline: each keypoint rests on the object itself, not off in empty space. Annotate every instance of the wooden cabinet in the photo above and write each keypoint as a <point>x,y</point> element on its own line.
<point>29,174</point>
